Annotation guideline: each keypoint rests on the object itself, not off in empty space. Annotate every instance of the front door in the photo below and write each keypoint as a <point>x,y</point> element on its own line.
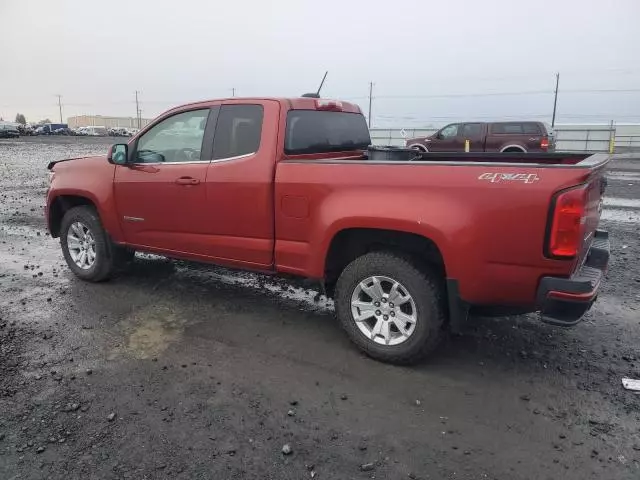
<point>446,140</point>
<point>160,194</point>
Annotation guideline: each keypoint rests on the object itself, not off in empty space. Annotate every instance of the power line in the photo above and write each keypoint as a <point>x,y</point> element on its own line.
<point>356,97</point>
<point>493,94</point>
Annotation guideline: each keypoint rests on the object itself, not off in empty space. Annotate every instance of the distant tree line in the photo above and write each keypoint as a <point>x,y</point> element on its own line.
<point>21,119</point>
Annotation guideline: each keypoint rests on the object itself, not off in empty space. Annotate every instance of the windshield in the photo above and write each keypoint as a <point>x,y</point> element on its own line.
<point>318,131</point>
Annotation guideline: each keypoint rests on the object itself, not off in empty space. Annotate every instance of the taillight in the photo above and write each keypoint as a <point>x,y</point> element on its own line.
<point>544,143</point>
<point>568,222</point>
<point>333,105</point>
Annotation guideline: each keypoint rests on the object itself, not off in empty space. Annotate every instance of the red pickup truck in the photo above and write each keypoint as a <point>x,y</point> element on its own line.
<point>286,186</point>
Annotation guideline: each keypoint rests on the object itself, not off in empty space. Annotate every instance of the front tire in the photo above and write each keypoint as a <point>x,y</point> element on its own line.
<point>391,309</point>
<point>85,244</point>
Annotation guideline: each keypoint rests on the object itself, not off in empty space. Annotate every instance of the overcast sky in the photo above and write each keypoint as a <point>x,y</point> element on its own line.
<point>446,60</point>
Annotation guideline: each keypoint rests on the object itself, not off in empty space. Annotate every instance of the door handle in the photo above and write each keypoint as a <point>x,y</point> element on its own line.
<point>187,181</point>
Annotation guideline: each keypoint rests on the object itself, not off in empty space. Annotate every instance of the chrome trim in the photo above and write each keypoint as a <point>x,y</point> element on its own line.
<point>237,157</point>
<point>169,163</point>
<point>133,219</point>
<point>519,147</point>
<point>217,160</point>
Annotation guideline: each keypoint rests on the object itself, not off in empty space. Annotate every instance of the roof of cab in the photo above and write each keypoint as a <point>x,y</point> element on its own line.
<point>291,103</point>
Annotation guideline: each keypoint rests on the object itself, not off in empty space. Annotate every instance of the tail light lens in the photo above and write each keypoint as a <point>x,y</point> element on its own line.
<point>544,143</point>
<point>332,105</point>
<point>568,222</point>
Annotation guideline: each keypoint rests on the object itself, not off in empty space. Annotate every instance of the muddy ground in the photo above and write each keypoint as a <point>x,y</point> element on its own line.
<point>191,372</point>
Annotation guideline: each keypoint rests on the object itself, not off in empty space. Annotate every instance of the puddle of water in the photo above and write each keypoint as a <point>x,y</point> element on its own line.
<point>254,281</point>
<point>621,202</point>
<point>150,331</point>
<point>262,283</point>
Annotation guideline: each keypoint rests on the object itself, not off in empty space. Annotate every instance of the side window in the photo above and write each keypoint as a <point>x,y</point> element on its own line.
<point>530,129</point>
<point>175,139</point>
<point>449,131</point>
<point>472,130</point>
<point>497,128</point>
<point>508,128</point>
<point>238,131</point>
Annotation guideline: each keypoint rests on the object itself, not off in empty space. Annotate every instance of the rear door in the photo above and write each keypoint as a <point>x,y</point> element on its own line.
<point>474,132</point>
<point>238,215</point>
<point>160,193</point>
<point>447,140</point>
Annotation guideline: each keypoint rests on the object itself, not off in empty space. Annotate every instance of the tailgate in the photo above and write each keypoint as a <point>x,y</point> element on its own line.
<point>596,187</point>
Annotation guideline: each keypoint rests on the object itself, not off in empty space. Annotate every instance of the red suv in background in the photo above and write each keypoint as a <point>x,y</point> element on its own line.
<point>511,137</point>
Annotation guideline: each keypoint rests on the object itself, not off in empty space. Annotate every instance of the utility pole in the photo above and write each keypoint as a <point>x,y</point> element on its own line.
<point>370,99</point>
<point>555,100</point>
<point>60,106</point>
<point>137,110</point>
<point>233,92</point>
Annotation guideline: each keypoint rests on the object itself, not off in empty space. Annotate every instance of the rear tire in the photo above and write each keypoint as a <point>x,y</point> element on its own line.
<point>85,245</point>
<point>421,292</point>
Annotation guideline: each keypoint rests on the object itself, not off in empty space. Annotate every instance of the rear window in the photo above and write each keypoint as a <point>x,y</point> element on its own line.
<point>319,131</point>
<point>238,131</point>
<point>516,128</point>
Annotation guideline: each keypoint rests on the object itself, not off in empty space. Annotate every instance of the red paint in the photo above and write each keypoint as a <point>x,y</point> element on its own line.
<point>270,212</point>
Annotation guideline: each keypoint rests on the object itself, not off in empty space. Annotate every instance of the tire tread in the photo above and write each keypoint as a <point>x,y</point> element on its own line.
<point>432,292</point>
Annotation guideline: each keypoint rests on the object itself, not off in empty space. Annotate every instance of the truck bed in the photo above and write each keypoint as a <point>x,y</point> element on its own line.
<point>584,159</point>
<point>385,155</point>
<point>489,216</point>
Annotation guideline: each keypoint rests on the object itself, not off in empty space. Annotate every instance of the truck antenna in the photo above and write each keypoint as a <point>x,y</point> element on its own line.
<point>322,83</point>
<point>317,94</point>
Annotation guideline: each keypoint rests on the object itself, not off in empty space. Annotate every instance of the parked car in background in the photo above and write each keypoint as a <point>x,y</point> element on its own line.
<point>96,131</point>
<point>52,128</point>
<point>119,132</point>
<point>9,130</point>
<point>288,186</point>
<point>507,137</point>
<point>25,129</point>
<point>79,131</point>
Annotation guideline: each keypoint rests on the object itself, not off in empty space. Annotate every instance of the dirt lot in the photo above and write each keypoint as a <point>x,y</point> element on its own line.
<point>192,372</point>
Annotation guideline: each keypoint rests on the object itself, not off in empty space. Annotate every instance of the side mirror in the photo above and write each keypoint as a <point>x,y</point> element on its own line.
<point>438,135</point>
<point>118,154</point>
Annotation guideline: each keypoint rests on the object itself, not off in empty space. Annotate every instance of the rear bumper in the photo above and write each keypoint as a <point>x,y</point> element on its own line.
<point>564,301</point>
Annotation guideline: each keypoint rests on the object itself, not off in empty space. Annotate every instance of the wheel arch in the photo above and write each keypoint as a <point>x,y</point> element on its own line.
<point>349,243</point>
<point>513,148</point>
<point>418,146</point>
<point>60,205</point>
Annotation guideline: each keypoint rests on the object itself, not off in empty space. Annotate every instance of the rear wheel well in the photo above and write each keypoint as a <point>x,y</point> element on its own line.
<point>352,243</point>
<point>60,206</point>
<point>513,150</point>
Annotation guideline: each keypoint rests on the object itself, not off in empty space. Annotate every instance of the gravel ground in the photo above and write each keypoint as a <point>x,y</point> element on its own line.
<point>180,371</point>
